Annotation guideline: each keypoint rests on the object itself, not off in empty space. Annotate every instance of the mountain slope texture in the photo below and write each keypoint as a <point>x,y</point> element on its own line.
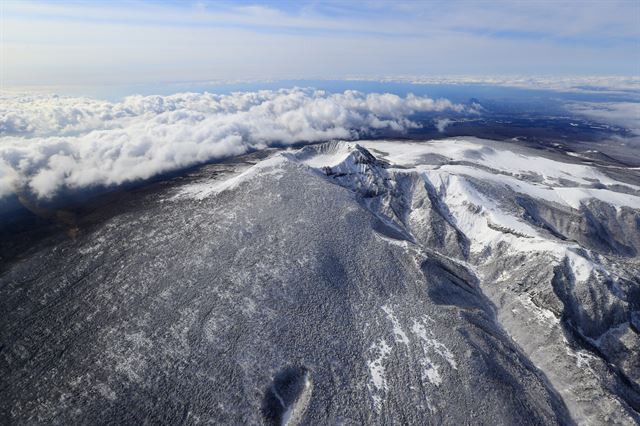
<point>379,282</point>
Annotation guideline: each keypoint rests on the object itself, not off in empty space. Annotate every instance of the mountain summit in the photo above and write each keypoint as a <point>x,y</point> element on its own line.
<point>383,282</point>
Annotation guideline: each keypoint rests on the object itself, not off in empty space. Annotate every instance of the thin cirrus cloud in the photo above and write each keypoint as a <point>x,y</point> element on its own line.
<point>50,143</point>
<point>122,42</point>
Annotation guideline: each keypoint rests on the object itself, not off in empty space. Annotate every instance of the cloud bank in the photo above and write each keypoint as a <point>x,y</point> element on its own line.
<point>626,114</point>
<point>50,143</point>
<point>579,83</point>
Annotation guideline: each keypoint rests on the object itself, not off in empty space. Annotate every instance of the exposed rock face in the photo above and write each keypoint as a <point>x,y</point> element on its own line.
<point>379,283</point>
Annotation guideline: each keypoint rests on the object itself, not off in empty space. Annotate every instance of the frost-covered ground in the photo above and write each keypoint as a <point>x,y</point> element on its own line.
<point>383,282</point>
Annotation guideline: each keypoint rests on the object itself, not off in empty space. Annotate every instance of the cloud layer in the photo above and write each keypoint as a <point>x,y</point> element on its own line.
<point>49,143</point>
<point>626,114</point>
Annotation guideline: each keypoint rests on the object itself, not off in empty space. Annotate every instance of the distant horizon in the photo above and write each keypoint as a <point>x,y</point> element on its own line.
<point>114,91</point>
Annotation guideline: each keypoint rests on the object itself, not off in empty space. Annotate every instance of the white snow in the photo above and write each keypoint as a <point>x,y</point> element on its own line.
<point>515,167</point>
<point>478,151</point>
<point>575,196</point>
<point>397,329</point>
<point>382,349</point>
<point>440,348</point>
<point>376,369</point>
<point>209,187</point>
<point>330,158</point>
<point>565,183</point>
<point>582,268</point>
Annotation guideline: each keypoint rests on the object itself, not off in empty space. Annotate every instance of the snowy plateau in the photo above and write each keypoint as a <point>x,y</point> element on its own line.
<point>371,282</point>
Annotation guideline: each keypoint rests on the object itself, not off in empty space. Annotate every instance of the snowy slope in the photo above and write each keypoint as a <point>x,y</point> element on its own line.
<point>569,302</point>
<point>383,282</point>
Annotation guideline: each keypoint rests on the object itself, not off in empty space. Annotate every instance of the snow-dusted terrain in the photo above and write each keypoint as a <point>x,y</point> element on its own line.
<point>378,282</point>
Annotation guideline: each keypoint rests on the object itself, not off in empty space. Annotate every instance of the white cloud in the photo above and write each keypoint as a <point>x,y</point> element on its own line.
<point>626,114</point>
<point>442,124</point>
<point>584,84</point>
<point>48,143</point>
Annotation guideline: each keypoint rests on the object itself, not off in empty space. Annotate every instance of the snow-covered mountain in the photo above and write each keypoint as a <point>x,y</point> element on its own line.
<point>378,282</point>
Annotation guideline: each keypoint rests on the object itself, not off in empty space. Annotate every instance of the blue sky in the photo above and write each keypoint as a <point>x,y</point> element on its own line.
<point>138,42</point>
